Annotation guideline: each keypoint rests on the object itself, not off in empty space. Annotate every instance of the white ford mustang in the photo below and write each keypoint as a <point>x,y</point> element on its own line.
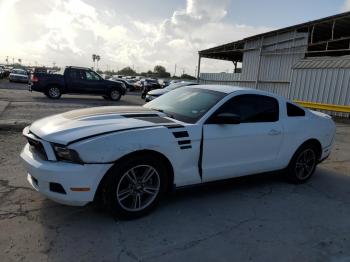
<point>129,156</point>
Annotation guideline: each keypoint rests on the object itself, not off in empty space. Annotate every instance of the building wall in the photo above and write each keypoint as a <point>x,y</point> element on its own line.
<point>268,65</point>
<point>323,85</point>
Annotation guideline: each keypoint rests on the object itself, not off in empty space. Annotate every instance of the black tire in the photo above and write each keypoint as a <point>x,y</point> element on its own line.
<point>106,98</point>
<point>303,164</point>
<point>114,94</point>
<point>53,92</point>
<point>117,183</point>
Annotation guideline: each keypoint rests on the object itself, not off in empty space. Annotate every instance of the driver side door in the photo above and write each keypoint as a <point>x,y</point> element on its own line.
<point>252,146</point>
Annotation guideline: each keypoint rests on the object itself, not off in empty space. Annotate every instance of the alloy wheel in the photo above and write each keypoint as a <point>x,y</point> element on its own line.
<point>305,164</point>
<point>54,92</point>
<point>138,188</point>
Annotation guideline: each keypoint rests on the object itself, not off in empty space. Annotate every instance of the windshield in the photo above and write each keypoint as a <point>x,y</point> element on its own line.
<point>18,71</point>
<point>186,104</point>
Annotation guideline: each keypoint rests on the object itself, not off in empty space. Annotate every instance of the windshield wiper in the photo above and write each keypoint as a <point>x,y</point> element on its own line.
<point>162,111</point>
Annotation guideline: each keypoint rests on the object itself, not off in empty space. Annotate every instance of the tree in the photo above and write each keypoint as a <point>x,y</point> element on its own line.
<point>127,71</point>
<point>94,58</point>
<point>98,58</point>
<point>186,76</point>
<point>160,71</point>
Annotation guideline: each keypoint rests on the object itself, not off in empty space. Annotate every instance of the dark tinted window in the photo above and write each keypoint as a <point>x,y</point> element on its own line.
<point>76,74</point>
<point>252,108</point>
<point>293,110</point>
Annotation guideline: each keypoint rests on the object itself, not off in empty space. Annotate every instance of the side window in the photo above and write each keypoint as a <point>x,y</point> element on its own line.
<point>252,108</point>
<point>75,74</point>
<point>293,110</point>
<point>91,75</point>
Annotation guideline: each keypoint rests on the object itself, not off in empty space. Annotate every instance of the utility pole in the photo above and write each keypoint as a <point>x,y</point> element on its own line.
<point>195,71</point>
<point>175,70</point>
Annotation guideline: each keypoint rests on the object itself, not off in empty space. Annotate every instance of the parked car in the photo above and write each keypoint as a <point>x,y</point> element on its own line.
<point>19,75</point>
<point>76,80</point>
<point>158,92</point>
<point>128,157</point>
<point>129,83</point>
<point>2,72</point>
<point>165,83</point>
<point>148,85</point>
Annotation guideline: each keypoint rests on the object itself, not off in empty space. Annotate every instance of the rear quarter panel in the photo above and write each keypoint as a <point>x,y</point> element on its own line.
<point>298,130</point>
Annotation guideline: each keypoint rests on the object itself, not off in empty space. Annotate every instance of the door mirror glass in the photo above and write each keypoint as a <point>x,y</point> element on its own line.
<point>226,118</point>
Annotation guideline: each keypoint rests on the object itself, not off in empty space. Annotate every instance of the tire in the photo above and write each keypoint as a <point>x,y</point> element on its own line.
<point>303,164</point>
<point>53,92</point>
<point>127,199</point>
<point>106,97</point>
<point>114,95</point>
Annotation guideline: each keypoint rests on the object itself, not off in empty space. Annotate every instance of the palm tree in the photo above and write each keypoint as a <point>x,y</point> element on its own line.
<point>94,59</point>
<point>98,58</point>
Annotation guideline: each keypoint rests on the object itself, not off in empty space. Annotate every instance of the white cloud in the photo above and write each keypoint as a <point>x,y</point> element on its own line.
<point>69,31</point>
<point>346,6</point>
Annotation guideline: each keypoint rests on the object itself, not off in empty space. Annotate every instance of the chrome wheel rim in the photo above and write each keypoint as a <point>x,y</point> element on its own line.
<point>138,188</point>
<point>305,164</point>
<point>115,95</point>
<point>54,92</point>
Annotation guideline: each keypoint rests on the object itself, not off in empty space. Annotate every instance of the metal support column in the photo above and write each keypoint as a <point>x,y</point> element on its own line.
<point>199,68</point>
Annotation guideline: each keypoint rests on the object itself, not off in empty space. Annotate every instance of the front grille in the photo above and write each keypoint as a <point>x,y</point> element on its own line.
<point>37,148</point>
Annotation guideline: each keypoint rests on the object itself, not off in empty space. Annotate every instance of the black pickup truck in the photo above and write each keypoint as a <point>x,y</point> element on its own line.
<point>76,80</point>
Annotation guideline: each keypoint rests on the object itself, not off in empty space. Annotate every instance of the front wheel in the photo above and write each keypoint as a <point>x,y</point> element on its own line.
<point>303,164</point>
<point>135,187</point>
<point>115,95</point>
<point>53,92</point>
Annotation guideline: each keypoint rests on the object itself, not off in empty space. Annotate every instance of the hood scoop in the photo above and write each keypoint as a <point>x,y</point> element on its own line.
<point>105,110</point>
<point>152,118</point>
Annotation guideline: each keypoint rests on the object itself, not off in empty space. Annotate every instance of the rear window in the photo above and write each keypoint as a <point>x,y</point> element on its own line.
<point>293,110</point>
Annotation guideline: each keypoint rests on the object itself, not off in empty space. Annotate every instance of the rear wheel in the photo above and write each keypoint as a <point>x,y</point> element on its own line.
<point>53,92</point>
<point>135,187</point>
<point>303,164</point>
<point>115,95</point>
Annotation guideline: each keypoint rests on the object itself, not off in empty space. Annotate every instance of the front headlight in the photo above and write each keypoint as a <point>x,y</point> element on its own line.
<point>149,97</point>
<point>65,154</point>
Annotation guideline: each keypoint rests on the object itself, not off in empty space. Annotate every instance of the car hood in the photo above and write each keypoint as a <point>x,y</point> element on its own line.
<point>83,123</point>
<point>157,92</point>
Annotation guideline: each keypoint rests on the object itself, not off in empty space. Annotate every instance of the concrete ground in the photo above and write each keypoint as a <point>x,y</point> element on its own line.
<point>258,218</point>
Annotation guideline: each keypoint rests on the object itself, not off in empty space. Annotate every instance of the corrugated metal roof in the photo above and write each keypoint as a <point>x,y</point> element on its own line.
<point>322,63</point>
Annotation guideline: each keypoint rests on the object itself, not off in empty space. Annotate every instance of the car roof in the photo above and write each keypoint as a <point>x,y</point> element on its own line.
<point>230,89</point>
<point>223,88</point>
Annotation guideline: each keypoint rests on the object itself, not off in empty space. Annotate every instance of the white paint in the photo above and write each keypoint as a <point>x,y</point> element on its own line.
<point>228,150</point>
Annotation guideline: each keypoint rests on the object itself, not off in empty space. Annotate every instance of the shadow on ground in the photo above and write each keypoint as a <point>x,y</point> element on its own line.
<point>258,218</point>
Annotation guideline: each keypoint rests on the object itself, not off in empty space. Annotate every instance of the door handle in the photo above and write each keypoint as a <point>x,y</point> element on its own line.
<point>274,132</point>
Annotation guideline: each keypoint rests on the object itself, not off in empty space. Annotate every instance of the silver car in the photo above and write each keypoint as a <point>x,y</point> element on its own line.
<point>19,75</point>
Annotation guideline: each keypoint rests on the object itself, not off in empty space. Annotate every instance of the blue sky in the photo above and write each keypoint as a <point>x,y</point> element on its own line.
<point>279,13</point>
<point>142,33</point>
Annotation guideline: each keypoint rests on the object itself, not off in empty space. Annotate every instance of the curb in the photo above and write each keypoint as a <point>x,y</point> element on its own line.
<point>13,125</point>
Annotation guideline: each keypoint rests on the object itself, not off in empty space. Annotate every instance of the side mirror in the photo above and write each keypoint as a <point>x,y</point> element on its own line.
<point>226,118</point>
